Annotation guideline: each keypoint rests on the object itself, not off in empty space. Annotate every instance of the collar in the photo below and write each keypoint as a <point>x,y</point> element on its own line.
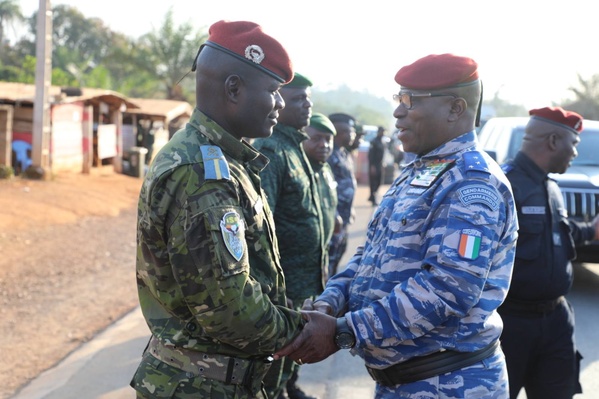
<point>466,141</point>
<point>237,149</point>
<point>537,174</point>
<point>291,133</point>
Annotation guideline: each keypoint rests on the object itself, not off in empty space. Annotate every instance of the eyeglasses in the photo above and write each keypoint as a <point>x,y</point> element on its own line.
<point>405,97</point>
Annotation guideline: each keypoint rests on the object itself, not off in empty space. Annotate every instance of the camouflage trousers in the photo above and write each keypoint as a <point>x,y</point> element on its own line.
<point>161,376</point>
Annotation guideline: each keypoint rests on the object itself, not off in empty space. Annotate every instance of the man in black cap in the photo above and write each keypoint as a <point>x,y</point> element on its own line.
<point>210,284</point>
<point>290,186</point>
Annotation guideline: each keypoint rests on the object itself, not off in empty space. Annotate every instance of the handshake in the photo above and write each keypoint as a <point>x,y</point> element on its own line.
<point>322,335</point>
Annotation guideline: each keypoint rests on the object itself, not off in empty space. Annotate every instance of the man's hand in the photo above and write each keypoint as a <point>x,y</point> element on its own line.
<point>315,342</point>
<point>319,306</point>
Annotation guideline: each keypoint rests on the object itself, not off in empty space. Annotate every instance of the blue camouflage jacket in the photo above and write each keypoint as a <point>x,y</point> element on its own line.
<point>437,261</point>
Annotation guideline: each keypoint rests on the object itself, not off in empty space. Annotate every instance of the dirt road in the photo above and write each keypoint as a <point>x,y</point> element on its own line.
<point>67,266</point>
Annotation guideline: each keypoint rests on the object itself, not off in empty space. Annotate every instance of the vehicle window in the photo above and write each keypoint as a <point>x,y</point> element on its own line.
<point>515,143</point>
<point>588,149</point>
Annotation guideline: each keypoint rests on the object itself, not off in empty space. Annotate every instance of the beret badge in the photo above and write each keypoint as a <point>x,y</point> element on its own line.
<point>254,53</point>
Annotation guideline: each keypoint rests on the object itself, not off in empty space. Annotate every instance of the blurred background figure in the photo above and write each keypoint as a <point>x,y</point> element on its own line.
<point>318,149</point>
<point>342,165</point>
<point>294,199</point>
<point>376,153</point>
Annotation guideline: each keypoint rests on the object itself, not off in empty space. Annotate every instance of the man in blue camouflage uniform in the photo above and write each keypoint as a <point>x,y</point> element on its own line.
<point>293,197</point>
<point>538,338</point>
<point>318,149</point>
<point>210,284</point>
<point>418,302</point>
<point>342,165</point>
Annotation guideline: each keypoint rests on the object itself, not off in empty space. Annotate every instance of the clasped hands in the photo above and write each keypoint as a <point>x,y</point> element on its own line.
<point>316,340</point>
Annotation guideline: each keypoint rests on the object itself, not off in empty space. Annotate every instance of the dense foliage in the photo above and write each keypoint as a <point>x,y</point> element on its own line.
<point>87,53</point>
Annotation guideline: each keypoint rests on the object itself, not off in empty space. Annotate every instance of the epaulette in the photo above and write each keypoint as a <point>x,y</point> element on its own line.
<point>474,161</point>
<point>506,167</point>
<point>215,163</point>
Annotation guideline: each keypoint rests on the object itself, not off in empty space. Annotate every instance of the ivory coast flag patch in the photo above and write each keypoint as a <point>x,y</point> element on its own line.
<point>469,243</point>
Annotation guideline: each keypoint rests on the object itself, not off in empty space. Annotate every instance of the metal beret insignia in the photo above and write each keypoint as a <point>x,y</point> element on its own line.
<point>254,53</point>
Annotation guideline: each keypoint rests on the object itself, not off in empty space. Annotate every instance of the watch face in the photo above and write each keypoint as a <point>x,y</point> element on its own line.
<point>345,340</point>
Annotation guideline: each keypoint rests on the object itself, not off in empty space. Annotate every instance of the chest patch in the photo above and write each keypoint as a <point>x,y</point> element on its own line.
<point>533,210</point>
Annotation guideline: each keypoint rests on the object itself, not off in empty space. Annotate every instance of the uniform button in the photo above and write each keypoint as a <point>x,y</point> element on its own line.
<point>190,326</point>
<point>403,222</point>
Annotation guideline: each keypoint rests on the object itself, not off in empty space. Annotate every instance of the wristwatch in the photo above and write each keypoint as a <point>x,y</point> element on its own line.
<point>344,336</point>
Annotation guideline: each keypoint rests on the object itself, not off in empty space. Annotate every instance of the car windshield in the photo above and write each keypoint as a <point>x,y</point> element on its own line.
<point>588,149</point>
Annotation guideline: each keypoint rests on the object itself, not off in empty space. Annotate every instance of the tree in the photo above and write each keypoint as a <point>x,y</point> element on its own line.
<point>10,12</point>
<point>587,98</point>
<point>167,54</point>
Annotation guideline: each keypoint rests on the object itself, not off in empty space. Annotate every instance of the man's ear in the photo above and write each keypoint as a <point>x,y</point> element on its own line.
<point>233,86</point>
<point>552,141</point>
<point>458,107</point>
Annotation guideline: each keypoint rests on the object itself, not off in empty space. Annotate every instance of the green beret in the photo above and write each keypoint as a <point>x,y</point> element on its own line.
<point>299,80</point>
<point>322,123</point>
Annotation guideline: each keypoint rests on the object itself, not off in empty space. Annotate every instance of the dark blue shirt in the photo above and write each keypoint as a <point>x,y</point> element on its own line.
<point>542,269</point>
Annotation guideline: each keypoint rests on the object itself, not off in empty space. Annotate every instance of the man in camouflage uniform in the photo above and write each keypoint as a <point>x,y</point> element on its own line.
<point>318,149</point>
<point>418,302</point>
<point>342,165</point>
<point>210,284</point>
<point>293,196</point>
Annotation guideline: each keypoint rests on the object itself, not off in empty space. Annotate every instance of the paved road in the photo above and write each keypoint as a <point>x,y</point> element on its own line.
<point>102,368</point>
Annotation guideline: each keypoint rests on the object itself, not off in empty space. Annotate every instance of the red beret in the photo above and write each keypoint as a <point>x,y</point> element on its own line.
<point>247,42</point>
<point>560,116</point>
<point>438,71</point>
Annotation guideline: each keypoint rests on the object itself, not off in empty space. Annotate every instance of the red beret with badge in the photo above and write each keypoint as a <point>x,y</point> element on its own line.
<point>438,71</point>
<point>560,116</point>
<point>247,42</point>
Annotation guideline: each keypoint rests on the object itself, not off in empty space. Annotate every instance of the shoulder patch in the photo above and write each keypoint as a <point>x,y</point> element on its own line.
<point>215,163</point>
<point>479,194</point>
<point>474,160</point>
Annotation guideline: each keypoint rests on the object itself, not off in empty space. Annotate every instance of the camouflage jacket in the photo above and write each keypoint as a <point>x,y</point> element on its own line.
<point>293,196</point>
<point>327,189</point>
<point>437,261</point>
<point>208,274</point>
<point>342,165</point>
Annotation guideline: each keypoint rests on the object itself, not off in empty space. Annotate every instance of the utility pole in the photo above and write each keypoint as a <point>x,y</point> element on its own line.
<point>40,151</point>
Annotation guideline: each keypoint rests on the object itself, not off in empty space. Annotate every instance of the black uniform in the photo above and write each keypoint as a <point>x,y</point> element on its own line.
<point>538,335</point>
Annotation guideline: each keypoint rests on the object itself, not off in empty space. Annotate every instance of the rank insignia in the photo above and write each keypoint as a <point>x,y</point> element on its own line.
<point>231,227</point>
<point>469,247</point>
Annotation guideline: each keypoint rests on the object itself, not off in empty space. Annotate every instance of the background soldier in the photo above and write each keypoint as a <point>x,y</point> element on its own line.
<point>293,196</point>
<point>318,148</point>
<point>342,165</point>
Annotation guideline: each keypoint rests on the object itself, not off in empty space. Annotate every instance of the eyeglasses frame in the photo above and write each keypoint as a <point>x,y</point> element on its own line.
<point>397,97</point>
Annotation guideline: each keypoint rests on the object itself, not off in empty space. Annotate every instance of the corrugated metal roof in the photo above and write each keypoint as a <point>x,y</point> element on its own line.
<point>24,93</point>
<point>167,109</point>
